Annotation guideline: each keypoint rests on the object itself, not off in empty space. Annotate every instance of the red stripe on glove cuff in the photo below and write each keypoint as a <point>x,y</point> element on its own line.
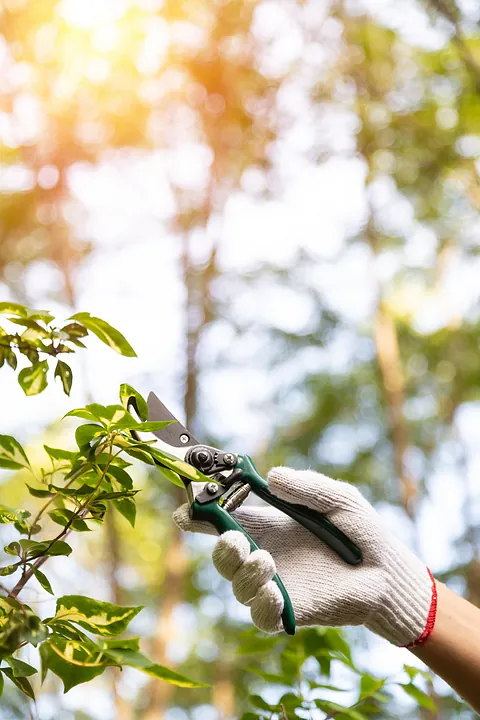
<point>432,614</point>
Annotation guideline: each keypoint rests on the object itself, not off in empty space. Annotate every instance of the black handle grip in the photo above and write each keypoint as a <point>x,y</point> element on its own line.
<point>316,522</point>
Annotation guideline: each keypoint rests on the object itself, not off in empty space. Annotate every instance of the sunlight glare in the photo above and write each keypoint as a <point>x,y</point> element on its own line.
<point>88,13</point>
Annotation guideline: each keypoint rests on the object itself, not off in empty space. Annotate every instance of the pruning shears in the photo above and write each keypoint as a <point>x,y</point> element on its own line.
<point>235,477</point>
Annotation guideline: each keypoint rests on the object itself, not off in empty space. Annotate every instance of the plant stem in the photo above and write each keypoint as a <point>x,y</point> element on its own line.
<point>82,510</point>
<point>74,477</point>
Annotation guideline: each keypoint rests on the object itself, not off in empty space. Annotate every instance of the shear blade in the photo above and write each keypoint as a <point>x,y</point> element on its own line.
<point>174,435</point>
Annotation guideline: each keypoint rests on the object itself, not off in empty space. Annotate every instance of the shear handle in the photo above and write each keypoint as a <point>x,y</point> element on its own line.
<point>222,521</point>
<point>314,521</point>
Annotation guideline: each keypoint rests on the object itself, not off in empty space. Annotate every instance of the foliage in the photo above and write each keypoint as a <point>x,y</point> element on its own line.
<point>75,492</point>
<point>301,669</point>
<point>41,337</point>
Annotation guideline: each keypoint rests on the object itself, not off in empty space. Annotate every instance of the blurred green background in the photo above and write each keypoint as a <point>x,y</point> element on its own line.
<point>277,203</point>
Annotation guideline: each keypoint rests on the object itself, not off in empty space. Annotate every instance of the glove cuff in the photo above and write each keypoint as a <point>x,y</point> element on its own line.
<point>407,612</point>
<point>432,616</point>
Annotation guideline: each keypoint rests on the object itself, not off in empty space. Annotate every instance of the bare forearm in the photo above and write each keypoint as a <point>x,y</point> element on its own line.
<point>453,649</point>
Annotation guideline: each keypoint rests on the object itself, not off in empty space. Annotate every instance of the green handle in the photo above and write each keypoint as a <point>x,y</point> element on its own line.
<point>222,521</point>
<point>314,521</point>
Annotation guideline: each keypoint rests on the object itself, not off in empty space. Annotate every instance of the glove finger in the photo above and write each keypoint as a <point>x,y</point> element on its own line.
<point>259,521</point>
<point>230,552</point>
<point>343,502</point>
<point>247,571</point>
<point>267,607</point>
<point>256,520</point>
<point>315,490</point>
<point>182,519</point>
<point>252,574</point>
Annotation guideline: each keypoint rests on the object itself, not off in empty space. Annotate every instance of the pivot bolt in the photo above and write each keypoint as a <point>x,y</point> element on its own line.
<point>184,439</point>
<point>229,459</point>
<point>211,488</point>
<point>202,456</point>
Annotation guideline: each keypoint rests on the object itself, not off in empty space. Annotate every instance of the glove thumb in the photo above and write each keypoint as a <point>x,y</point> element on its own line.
<point>183,520</point>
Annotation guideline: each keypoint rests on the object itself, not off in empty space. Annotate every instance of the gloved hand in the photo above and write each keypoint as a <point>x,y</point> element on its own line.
<point>391,592</point>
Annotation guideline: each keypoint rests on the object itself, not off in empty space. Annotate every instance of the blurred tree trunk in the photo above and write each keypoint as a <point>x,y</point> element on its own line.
<point>393,386</point>
<point>387,349</point>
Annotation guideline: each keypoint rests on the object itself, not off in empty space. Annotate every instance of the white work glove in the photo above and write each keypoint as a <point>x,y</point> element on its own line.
<point>391,591</point>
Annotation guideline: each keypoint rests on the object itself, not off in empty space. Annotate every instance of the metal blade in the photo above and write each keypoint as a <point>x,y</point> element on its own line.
<point>175,435</point>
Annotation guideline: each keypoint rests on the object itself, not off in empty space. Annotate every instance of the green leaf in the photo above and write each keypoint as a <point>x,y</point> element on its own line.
<point>138,454</point>
<point>269,677</point>
<point>78,343</point>
<point>12,455</point>
<point>55,652</point>
<point>43,580</point>
<point>74,330</point>
<point>58,548</point>
<point>97,511</point>
<point>60,454</point>
<point>173,477</point>
<point>127,392</point>
<point>18,624</point>
<point>152,426</point>
<point>84,434</point>
<point>122,477</point>
<point>122,643</point>
<point>326,686</point>
<point>20,523</point>
<point>419,696</point>
<point>21,682</point>
<point>64,372</point>
<point>126,656</point>
<point>2,682</point>
<point>369,685</point>
<point>117,495</point>
<point>11,359</point>
<point>335,655</point>
<point>114,416</point>
<point>62,516</point>
<point>81,413</point>
<point>126,507</point>
<point>100,618</point>
<point>260,703</point>
<point>6,515</point>
<point>331,707</point>
<point>31,353</point>
<point>106,333</point>
<point>255,644</point>
<point>412,672</point>
<point>33,380</point>
<point>43,315</point>
<point>20,668</point>
<point>44,651</point>
<point>34,332</point>
<point>172,463</point>
<point>290,701</point>
<point>69,631</point>
<point>8,308</point>
<point>38,492</point>
<point>14,548</point>
<point>8,570</point>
